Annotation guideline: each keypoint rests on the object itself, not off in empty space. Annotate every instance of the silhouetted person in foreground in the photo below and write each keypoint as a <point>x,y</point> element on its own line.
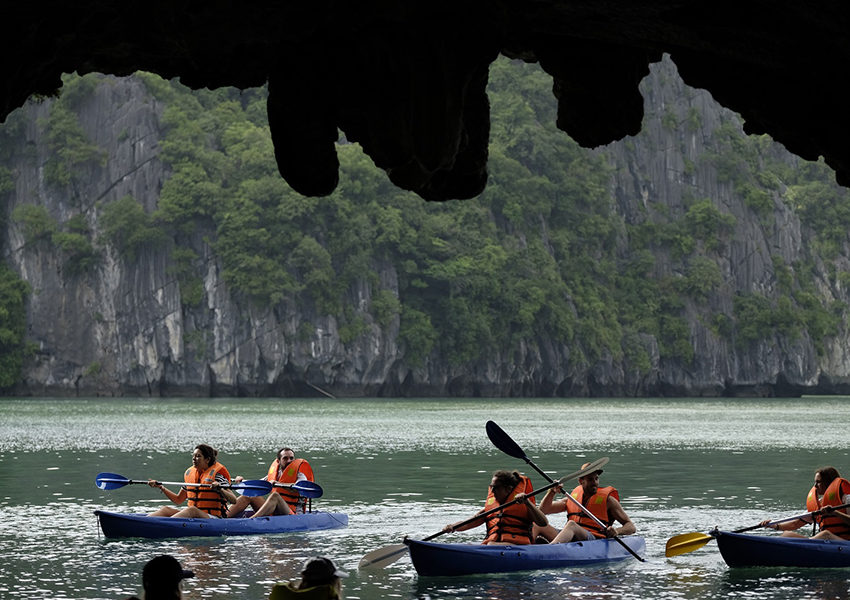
<point>162,577</point>
<point>320,580</point>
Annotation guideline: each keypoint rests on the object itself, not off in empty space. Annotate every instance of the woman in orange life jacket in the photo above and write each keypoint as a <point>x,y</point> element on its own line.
<point>829,490</point>
<point>513,525</point>
<point>282,501</point>
<point>204,501</point>
<point>604,503</point>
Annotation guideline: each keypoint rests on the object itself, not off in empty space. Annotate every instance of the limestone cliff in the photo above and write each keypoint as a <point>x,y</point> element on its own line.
<point>123,328</point>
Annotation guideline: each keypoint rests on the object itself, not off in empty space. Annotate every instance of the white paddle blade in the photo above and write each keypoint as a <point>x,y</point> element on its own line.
<point>380,558</point>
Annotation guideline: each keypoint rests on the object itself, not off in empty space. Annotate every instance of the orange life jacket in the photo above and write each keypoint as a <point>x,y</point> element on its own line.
<point>290,475</point>
<point>207,500</point>
<point>597,504</point>
<point>831,497</point>
<point>512,524</point>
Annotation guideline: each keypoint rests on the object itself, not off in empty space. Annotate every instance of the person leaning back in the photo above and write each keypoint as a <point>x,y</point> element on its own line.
<point>602,502</point>
<point>285,469</point>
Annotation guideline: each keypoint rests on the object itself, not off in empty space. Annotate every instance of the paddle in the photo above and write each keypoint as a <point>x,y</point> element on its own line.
<point>387,555</point>
<point>688,542</point>
<point>506,444</point>
<point>308,489</point>
<point>251,487</point>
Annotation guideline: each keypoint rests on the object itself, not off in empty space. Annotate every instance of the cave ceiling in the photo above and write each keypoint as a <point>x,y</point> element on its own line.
<point>407,79</point>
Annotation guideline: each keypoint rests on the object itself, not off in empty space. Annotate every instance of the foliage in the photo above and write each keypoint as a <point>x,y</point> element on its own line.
<point>384,307</point>
<point>36,222</point>
<point>129,228</point>
<point>7,181</point>
<point>702,277</point>
<point>183,268</point>
<point>70,148</point>
<point>13,348</point>
<point>535,256</point>
<point>540,256</point>
<point>74,240</point>
<point>758,318</point>
<point>822,205</point>
<point>705,222</point>
<point>417,334</point>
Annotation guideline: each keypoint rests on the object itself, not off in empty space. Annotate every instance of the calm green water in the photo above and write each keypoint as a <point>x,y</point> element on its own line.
<point>407,467</point>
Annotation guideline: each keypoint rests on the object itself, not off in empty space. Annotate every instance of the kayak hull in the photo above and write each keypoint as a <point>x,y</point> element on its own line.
<point>433,559</point>
<point>741,550</point>
<point>120,525</point>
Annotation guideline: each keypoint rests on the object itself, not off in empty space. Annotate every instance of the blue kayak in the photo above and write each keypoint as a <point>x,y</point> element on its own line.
<point>431,558</point>
<point>741,550</point>
<point>117,525</point>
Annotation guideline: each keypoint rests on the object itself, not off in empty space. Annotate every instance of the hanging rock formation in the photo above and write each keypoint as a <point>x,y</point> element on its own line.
<point>406,79</point>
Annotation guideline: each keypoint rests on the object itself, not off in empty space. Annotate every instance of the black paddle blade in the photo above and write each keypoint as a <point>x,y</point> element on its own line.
<point>503,441</point>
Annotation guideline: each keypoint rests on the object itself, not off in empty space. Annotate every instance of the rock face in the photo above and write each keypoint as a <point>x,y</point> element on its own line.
<point>125,331</point>
<point>406,80</point>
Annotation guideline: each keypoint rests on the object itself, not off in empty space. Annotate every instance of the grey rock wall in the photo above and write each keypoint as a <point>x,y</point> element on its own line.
<point>123,329</point>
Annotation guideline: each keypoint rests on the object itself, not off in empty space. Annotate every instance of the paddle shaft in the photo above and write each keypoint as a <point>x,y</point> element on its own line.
<point>787,519</point>
<point>492,511</point>
<point>592,516</point>
<point>688,542</point>
<point>180,483</point>
<point>389,554</point>
<point>516,449</point>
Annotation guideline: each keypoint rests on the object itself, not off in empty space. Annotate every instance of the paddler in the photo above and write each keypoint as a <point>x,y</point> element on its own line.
<point>829,490</point>
<point>604,503</point>
<point>514,524</point>
<point>284,469</point>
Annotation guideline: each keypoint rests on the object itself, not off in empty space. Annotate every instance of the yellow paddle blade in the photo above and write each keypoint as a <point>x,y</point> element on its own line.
<point>686,542</point>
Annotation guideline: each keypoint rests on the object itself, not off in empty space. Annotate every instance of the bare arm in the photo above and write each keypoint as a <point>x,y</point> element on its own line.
<point>178,499</point>
<point>464,526</point>
<point>228,495</point>
<point>536,514</point>
<point>616,511</point>
<point>788,526</point>
<point>549,505</point>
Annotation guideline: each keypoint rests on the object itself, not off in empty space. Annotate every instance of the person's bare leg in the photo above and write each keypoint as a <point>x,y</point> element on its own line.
<point>571,530</point>
<point>191,512</point>
<point>548,533</point>
<point>165,511</point>
<point>827,535</point>
<point>274,505</point>
<point>243,502</point>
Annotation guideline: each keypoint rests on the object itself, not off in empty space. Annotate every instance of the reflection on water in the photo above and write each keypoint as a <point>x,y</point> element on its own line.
<point>404,467</point>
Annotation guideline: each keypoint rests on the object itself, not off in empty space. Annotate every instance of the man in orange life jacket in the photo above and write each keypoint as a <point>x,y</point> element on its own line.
<point>829,490</point>
<point>514,524</point>
<point>603,503</point>
<point>282,501</point>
